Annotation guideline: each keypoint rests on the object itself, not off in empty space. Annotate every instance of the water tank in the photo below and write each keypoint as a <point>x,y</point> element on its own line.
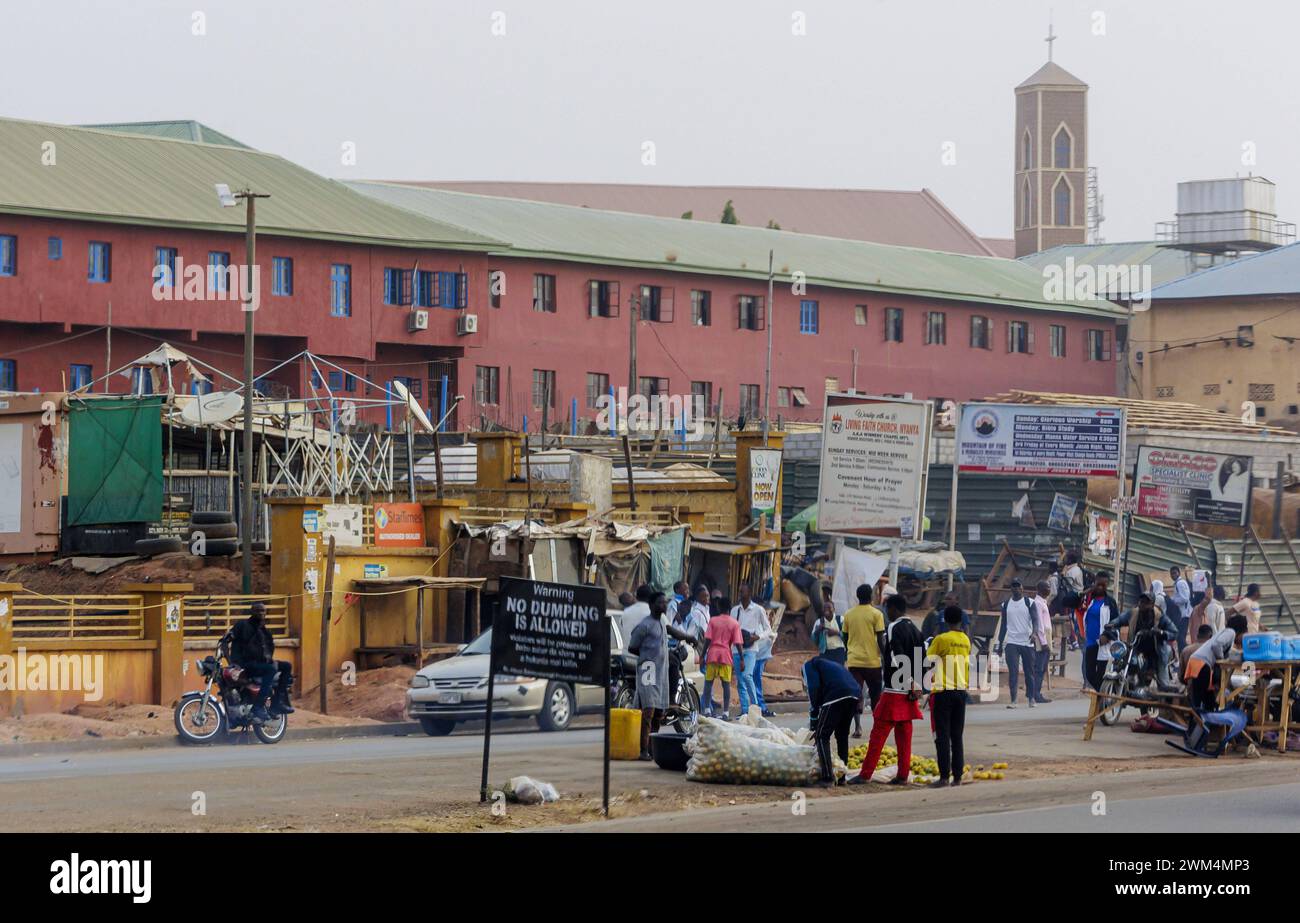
<point>1219,215</point>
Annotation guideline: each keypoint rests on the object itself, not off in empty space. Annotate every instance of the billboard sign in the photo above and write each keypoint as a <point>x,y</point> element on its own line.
<point>764,480</point>
<point>875,452</point>
<point>552,631</point>
<point>1038,440</point>
<point>1204,487</point>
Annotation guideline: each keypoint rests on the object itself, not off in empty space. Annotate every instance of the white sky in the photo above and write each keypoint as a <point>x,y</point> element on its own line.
<point>727,94</point>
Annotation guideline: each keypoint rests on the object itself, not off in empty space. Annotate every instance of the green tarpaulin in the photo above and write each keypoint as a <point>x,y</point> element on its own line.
<point>666,552</point>
<point>115,461</point>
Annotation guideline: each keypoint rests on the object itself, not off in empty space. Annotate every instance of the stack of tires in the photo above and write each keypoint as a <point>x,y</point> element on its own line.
<point>220,533</point>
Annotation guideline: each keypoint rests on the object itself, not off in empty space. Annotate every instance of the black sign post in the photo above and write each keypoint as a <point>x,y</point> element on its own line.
<point>555,631</point>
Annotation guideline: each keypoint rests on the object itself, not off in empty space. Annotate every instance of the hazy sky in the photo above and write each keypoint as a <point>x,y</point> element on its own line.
<point>724,90</point>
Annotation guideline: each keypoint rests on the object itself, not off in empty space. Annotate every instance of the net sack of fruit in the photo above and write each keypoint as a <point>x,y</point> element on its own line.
<point>727,755</point>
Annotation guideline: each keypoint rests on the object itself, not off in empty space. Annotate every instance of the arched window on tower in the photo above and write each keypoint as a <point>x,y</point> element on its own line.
<point>1026,205</point>
<point>1027,152</point>
<point>1062,149</point>
<point>1062,203</point>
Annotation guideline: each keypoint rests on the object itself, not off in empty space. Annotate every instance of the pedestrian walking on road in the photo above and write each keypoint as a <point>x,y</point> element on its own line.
<point>950,654</point>
<point>897,707</point>
<point>864,636</point>
<point>1015,642</point>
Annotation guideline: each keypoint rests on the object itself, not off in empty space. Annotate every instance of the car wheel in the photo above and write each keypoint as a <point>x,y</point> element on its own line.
<point>557,708</point>
<point>437,727</point>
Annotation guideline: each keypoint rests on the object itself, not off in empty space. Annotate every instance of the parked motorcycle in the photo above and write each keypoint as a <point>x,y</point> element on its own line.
<point>683,713</point>
<point>1132,669</point>
<point>224,705</point>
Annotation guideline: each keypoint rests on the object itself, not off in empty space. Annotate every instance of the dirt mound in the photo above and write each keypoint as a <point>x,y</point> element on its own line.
<point>210,576</point>
<point>378,695</point>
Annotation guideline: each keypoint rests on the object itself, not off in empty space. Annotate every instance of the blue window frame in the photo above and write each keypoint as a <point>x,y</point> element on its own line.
<point>218,263</point>
<point>426,288</point>
<point>141,380</point>
<point>203,386</point>
<point>808,320</point>
<point>8,255</point>
<point>164,266</point>
<point>452,290</point>
<point>79,376</point>
<point>100,267</point>
<point>397,286</point>
<point>282,275</point>
<point>8,375</point>
<point>341,290</point>
<point>413,385</point>
<point>56,248</point>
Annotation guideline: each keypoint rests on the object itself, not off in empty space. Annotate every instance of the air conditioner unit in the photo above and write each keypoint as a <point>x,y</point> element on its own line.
<point>417,320</point>
<point>467,324</point>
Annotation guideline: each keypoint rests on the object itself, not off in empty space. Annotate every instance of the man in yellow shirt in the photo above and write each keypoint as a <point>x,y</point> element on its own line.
<point>950,654</point>
<point>864,636</point>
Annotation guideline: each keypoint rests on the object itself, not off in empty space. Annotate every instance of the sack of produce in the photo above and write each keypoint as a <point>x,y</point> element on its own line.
<point>736,755</point>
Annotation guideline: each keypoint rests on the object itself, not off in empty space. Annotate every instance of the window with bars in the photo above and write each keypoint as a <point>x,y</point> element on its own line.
<point>597,387</point>
<point>219,271</point>
<point>860,315</point>
<point>1057,336</point>
<point>8,375</point>
<point>651,386</point>
<point>1260,392</point>
<point>1020,337</point>
<point>980,328</point>
<point>656,304</point>
<point>750,312</point>
<point>1098,345</point>
<point>701,308</point>
<point>79,376</point>
<point>602,298</point>
<point>452,290</point>
<point>893,325</point>
<point>341,289</point>
<point>1164,391</point>
<point>487,384</point>
<point>936,328</point>
<point>544,388</point>
<point>164,266</point>
<point>543,297</point>
<point>100,264</point>
<point>397,286</point>
<point>750,400</point>
<point>702,394</point>
<point>1210,390</point>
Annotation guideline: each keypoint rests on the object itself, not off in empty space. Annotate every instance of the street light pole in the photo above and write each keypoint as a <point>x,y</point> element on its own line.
<point>247,519</point>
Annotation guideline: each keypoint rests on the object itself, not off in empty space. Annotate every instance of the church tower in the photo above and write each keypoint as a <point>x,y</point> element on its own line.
<point>1051,158</point>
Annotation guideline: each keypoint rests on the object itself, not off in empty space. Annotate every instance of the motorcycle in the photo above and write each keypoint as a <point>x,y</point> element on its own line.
<point>683,714</point>
<point>1132,669</point>
<point>225,704</point>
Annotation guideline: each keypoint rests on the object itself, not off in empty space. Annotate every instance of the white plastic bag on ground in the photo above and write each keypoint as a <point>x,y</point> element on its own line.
<point>526,790</point>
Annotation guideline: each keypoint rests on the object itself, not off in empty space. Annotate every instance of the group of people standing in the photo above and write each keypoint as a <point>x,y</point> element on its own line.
<point>884,659</point>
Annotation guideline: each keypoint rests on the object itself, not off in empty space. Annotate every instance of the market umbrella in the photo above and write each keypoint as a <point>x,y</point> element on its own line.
<point>805,521</point>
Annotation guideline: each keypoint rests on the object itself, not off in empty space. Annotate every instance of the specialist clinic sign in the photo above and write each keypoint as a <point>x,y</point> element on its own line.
<point>875,452</point>
<point>1192,486</point>
<point>1031,439</point>
<point>551,631</point>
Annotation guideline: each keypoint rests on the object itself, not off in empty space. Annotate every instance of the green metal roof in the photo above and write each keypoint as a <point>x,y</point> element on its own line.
<point>180,130</point>
<point>59,171</point>
<point>565,232</point>
<point>1166,264</point>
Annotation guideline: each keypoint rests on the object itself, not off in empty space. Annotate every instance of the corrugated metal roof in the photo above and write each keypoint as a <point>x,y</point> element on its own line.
<point>901,217</point>
<point>1166,264</point>
<point>1156,415</point>
<point>1273,272</point>
<point>1051,75</point>
<point>180,130</point>
<point>60,171</point>
<point>563,232</point>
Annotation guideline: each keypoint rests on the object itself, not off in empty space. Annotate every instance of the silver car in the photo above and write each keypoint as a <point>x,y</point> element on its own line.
<point>455,690</point>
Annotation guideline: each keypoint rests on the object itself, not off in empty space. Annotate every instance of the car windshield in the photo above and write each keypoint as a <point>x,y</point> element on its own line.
<point>480,645</point>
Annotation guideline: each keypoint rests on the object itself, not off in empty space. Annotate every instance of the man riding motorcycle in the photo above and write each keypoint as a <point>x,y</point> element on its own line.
<point>1149,632</point>
<point>253,650</point>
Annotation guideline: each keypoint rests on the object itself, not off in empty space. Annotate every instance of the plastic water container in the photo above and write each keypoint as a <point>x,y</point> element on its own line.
<point>1291,647</point>
<point>1261,645</point>
<point>624,734</point>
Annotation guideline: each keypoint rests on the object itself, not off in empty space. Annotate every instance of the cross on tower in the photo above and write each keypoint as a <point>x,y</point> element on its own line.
<point>1051,37</point>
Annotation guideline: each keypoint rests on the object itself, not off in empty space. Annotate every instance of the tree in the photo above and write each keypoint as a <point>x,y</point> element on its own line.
<point>771,223</point>
<point>729,214</point>
<point>687,216</point>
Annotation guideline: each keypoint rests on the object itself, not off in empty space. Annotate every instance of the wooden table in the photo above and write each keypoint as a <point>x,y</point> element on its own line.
<point>1264,670</point>
<point>1159,702</point>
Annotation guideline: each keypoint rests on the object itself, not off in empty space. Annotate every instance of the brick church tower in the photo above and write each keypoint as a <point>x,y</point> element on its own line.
<point>1051,159</point>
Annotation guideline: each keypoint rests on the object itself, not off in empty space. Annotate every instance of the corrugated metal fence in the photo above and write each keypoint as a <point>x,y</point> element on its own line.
<point>1280,559</point>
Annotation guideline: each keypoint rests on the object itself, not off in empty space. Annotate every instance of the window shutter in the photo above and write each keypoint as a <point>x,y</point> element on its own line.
<point>1105,346</point>
<point>405,280</point>
<point>666,305</point>
<point>1029,338</point>
<point>1010,343</point>
<point>614,299</point>
<point>762,312</point>
<point>593,298</point>
<point>462,290</point>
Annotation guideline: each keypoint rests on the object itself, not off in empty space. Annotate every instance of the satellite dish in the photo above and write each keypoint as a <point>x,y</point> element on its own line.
<point>416,411</point>
<point>217,407</point>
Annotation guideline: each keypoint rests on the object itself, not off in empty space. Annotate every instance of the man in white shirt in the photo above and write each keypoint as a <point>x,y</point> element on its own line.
<point>1015,639</point>
<point>633,614</point>
<point>1041,640</point>
<point>755,627</point>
